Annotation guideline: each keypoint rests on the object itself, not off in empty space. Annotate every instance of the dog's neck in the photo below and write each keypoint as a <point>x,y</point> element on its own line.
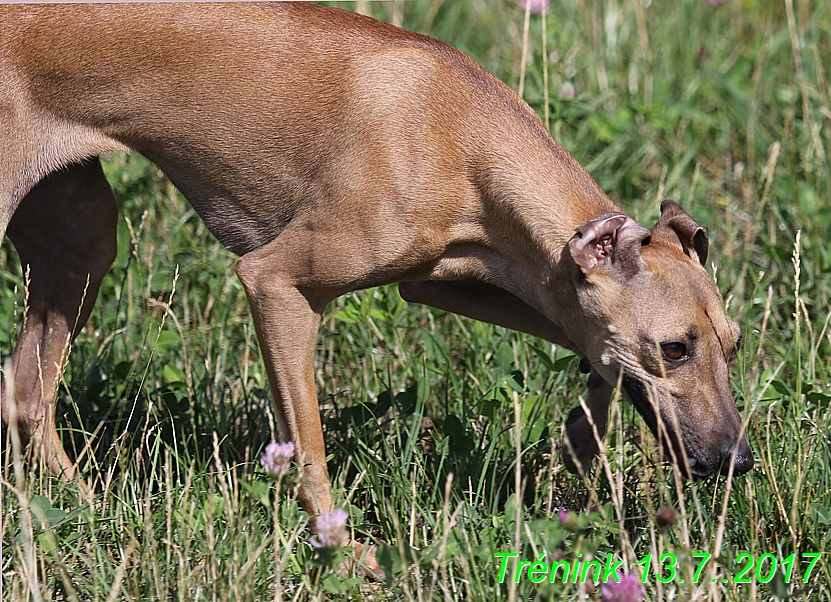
<point>541,195</point>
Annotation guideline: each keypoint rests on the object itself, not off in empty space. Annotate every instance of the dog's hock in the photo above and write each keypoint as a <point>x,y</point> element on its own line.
<point>677,227</point>
<point>613,240</point>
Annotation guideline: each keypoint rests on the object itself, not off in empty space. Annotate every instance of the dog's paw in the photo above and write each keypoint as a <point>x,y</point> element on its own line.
<point>363,559</point>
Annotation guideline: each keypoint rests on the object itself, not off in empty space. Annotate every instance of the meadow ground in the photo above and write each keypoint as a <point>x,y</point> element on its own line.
<point>724,108</point>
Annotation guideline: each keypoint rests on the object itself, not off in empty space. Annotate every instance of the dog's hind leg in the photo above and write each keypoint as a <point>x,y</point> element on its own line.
<point>65,234</point>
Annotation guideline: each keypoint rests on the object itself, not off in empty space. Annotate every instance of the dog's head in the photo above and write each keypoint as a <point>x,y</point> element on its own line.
<point>655,318</point>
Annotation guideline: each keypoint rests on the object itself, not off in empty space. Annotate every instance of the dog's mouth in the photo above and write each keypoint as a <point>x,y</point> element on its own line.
<point>697,469</point>
<point>637,394</point>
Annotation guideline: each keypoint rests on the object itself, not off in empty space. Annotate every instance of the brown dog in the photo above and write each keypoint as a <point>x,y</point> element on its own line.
<point>333,153</point>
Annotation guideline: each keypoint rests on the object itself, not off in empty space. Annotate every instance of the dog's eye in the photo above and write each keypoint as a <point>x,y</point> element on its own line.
<point>674,351</point>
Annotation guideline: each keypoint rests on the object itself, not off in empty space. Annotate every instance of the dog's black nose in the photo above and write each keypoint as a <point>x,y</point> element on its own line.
<point>743,461</point>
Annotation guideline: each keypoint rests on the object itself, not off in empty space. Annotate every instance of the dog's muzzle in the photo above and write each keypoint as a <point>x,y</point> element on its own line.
<point>692,467</point>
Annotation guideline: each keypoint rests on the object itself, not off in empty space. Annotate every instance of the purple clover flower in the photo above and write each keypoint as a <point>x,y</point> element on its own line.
<point>331,530</point>
<point>276,458</point>
<point>537,6</point>
<point>627,589</point>
<point>568,519</point>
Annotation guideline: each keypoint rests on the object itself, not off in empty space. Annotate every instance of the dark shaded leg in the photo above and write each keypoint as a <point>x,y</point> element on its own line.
<point>65,233</point>
<point>579,431</point>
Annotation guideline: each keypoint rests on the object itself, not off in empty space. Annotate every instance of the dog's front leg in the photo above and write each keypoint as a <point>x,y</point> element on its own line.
<point>486,303</point>
<point>489,303</point>
<point>288,283</point>
<point>583,444</point>
<point>287,323</point>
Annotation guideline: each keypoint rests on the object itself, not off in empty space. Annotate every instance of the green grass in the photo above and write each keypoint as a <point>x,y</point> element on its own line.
<point>165,397</point>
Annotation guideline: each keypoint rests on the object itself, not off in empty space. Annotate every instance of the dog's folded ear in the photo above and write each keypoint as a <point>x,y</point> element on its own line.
<point>611,240</point>
<point>677,227</point>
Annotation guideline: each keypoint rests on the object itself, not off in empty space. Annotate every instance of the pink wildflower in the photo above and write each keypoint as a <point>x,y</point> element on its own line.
<point>568,519</point>
<point>276,458</point>
<point>567,90</point>
<point>628,589</point>
<point>331,530</point>
<point>537,6</point>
